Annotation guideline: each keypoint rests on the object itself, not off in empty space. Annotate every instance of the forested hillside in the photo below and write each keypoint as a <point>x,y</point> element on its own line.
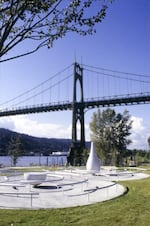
<point>32,145</point>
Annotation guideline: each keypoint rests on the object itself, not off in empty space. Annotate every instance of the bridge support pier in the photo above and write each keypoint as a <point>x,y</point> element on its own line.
<point>78,142</point>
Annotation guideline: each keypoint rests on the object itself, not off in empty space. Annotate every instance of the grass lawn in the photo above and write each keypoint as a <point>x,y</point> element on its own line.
<point>130,209</point>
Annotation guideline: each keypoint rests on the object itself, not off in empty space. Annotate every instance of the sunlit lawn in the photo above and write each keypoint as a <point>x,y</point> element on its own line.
<point>130,209</point>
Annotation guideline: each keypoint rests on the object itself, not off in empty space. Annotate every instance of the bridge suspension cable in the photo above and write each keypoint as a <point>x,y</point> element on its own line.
<point>101,88</point>
<point>117,76</point>
<point>98,83</point>
<point>115,71</point>
<point>39,90</point>
<point>43,91</point>
<point>107,83</point>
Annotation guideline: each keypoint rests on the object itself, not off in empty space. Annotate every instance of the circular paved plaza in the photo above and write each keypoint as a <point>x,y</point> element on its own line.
<point>64,188</point>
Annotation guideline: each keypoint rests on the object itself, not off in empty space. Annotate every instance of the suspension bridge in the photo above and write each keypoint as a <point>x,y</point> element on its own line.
<point>78,88</point>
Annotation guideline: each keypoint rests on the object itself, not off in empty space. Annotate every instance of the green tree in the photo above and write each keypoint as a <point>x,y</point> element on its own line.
<point>148,140</point>
<point>15,149</point>
<point>110,131</point>
<point>45,21</point>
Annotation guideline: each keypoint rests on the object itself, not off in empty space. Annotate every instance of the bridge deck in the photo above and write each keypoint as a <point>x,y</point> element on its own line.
<point>88,104</point>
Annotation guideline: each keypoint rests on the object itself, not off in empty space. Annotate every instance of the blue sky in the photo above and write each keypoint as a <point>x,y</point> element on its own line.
<point>122,42</point>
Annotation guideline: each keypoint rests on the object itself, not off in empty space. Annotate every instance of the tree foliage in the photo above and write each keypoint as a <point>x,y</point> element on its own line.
<point>148,140</point>
<point>110,131</point>
<point>45,21</point>
<point>139,157</point>
<point>15,149</point>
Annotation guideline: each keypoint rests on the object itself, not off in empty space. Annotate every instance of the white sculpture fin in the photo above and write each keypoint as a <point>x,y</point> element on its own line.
<point>93,162</point>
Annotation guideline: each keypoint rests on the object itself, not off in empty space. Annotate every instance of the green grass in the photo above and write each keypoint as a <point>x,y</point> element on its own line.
<point>129,210</point>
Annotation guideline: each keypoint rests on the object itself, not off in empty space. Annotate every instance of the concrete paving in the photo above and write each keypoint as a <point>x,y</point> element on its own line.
<point>76,188</point>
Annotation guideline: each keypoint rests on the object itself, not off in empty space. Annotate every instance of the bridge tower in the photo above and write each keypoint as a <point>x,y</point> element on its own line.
<point>78,137</point>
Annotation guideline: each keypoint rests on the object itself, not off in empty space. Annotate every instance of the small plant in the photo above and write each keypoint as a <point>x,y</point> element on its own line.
<point>15,149</point>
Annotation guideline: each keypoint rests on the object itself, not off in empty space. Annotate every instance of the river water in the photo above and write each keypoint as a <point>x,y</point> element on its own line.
<point>53,160</point>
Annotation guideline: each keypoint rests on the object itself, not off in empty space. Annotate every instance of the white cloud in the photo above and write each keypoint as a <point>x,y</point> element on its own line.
<point>7,123</point>
<point>22,124</point>
<point>139,133</point>
<point>138,124</point>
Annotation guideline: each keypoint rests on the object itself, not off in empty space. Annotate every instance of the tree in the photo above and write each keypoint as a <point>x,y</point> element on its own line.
<point>110,131</point>
<point>148,140</point>
<point>15,149</point>
<point>45,21</point>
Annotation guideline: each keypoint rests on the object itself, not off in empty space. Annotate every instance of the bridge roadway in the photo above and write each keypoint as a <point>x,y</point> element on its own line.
<point>88,104</point>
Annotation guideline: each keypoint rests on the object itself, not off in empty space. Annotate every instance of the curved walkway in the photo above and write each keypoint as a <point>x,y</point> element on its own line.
<point>77,188</point>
